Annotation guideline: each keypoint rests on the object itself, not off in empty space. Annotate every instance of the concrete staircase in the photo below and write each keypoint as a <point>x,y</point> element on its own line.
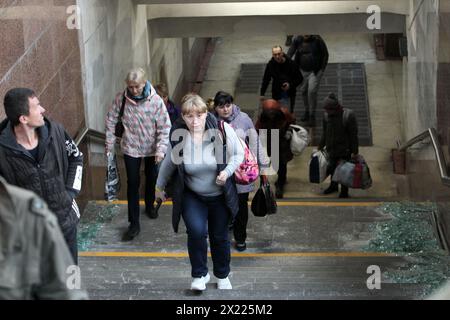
<point>306,251</point>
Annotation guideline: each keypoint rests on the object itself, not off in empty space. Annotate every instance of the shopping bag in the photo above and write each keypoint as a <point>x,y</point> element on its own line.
<point>318,166</point>
<point>353,174</point>
<point>299,139</point>
<point>264,202</point>
<point>112,182</point>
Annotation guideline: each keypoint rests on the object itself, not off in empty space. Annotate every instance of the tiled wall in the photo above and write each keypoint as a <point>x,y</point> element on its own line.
<point>40,52</point>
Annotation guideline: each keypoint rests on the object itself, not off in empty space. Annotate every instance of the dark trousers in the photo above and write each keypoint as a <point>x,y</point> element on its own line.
<point>332,165</point>
<point>286,100</point>
<point>203,216</point>
<point>282,169</point>
<point>70,235</point>
<point>133,166</point>
<point>282,173</point>
<point>240,224</point>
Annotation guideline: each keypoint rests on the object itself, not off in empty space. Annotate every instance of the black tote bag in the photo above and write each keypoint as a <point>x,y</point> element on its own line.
<point>264,202</point>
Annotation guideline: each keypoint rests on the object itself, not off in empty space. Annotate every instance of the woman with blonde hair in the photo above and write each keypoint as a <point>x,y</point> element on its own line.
<point>204,160</point>
<point>146,127</point>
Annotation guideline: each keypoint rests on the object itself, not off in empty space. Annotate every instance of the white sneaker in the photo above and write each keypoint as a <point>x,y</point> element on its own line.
<point>224,284</point>
<point>200,283</point>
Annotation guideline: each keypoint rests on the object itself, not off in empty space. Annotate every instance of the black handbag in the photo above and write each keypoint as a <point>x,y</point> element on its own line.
<point>119,129</point>
<point>264,202</point>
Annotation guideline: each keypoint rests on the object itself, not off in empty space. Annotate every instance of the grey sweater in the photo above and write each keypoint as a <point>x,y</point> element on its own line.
<point>200,163</point>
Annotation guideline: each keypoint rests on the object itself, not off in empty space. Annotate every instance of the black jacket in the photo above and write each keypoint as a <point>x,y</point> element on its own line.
<point>319,52</point>
<point>339,138</point>
<point>55,177</point>
<point>280,73</point>
<point>229,189</point>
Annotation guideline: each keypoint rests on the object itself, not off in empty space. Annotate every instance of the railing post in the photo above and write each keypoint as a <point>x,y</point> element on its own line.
<point>399,161</point>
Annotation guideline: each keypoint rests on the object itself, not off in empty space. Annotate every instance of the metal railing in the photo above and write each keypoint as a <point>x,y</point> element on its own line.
<point>85,132</point>
<point>433,135</point>
<point>443,172</point>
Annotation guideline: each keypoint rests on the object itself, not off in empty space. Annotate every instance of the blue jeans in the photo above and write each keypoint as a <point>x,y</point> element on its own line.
<point>203,216</point>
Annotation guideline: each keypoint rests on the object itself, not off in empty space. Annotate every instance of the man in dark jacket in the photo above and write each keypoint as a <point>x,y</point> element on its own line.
<point>34,260</point>
<point>285,76</point>
<point>311,55</point>
<point>38,154</point>
<point>340,137</point>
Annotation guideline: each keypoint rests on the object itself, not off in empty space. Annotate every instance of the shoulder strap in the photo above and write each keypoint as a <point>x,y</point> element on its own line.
<point>345,116</point>
<point>221,126</point>
<point>122,107</point>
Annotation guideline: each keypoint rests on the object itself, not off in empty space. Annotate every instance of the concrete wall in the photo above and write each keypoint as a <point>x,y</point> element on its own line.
<point>40,52</point>
<point>422,82</point>
<point>113,40</point>
<point>115,37</point>
<point>419,109</point>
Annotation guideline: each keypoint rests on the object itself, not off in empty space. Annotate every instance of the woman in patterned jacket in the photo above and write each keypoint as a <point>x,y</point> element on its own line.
<point>146,125</point>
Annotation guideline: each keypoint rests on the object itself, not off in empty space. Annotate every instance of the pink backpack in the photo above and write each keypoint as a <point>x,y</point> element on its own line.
<point>248,170</point>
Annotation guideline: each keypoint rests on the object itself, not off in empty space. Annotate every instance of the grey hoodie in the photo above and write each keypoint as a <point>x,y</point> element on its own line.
<point>245,130</point>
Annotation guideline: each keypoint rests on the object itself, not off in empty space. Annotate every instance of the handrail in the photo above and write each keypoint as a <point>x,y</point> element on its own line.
<point>88,132</point>
<point>433,135</point>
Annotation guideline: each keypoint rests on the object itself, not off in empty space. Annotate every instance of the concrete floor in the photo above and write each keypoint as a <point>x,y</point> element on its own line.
<point>304,251</point>
<point>384,82</point>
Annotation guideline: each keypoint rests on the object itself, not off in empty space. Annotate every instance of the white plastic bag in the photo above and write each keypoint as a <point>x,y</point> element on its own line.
<point>318,166</point>
<point>299,139</point>
<point>112,181</point>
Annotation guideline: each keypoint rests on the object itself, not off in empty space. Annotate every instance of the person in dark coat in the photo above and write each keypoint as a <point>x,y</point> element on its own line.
<point>285,76</point>
<point>39,155</point>
<point>310,53</point>
<point>229,112</point>
<point>205,194</point>
<point>172,109</point>
<point>339,137</point>
<point>276,117</point>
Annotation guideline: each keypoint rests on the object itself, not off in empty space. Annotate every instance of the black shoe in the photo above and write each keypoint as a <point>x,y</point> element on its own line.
<point>151,213</point>
<point>131,233</point>
<point>305,117</point>
<point>332,188</point>
<point>344,195</point>
<point>279,192</point>
<point>240,246</point>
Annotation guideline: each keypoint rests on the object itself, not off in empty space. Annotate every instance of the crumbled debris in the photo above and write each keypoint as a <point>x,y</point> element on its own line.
<point>94,217</point>
<point>410,233</point>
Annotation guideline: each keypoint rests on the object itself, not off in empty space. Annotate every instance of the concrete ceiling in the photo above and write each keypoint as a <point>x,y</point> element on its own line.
<point>273,8</point>
<point>227,1</point>
<point>254,26</point>
<point>174,19</point>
